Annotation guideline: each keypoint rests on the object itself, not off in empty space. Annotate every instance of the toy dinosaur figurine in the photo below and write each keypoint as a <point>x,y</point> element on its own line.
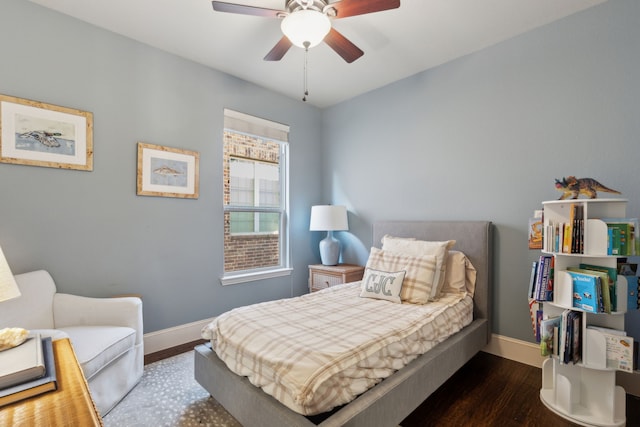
<point>572,186</point>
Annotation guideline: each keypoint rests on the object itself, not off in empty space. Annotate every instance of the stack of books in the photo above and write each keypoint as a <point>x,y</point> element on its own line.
<point>27,370</point>
<point>541,279</point>
<point>561,337</point>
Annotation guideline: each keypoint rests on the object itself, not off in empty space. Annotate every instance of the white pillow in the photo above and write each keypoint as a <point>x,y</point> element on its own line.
<point>461,274</point>
<point>382,285</point>
<point>419,277</point>
<point>413,247</point>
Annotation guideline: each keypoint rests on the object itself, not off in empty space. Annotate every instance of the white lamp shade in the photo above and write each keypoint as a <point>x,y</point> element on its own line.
<point>306,26</point>
<point>328,218</point>
<point>8,286</point>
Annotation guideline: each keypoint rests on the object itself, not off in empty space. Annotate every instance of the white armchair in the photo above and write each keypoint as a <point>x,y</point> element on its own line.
<point>106,333</point>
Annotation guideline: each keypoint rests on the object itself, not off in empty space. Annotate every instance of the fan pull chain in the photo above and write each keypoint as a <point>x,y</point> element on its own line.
<point>305,84</point>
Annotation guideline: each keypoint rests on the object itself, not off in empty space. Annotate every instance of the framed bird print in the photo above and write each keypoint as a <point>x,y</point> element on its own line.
<point>37,134</point>
<point>167,172</point>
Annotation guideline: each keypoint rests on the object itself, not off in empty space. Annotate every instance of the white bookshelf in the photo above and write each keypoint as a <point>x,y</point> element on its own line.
<point>586,392</point>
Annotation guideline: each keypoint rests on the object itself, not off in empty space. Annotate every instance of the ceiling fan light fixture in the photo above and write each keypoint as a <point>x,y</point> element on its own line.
<point>306,28</point>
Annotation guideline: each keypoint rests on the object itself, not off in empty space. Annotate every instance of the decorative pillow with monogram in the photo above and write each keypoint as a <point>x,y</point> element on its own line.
<point>382,285</point>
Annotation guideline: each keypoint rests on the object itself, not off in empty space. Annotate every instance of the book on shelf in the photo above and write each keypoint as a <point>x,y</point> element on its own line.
<point>603,286</point>
<point>566,239</point>
<point>570,349</point>
<point>535,231</point>
<point>535,311</point>
<point>549,336</point>
<point>22,363</point>
<point>577,238</point>
<point>532,280</point>
<point>544,279</point>
<point>576,335</point>
<point>622,236</point>
<point>34,387</point>
<point>612,280</point>
<point>562,335</point>
<point>587,291</point>
<point>618,348</point>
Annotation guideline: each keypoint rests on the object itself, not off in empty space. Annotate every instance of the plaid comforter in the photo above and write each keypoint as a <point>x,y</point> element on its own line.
<point>321,350</point>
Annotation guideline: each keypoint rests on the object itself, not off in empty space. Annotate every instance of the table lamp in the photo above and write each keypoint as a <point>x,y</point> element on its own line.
<point>329,218</point>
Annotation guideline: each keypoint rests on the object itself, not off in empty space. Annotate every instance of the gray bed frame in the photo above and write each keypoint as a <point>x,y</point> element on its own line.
<point>394,398</point>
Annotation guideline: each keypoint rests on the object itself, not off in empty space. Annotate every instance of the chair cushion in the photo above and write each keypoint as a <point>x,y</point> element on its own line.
<point>98,346</point>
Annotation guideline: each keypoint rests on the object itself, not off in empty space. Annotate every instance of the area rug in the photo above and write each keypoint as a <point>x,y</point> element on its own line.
<point>169,396</point>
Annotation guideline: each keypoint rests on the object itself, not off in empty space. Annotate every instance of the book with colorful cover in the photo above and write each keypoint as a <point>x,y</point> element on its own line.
<point>548,339</point>
<point>586,291</point>
<point>550,279</point>
<point>566,238</point>
<point>624,237</point>
<point>612,274</point>
<point>604,298</point>
<point>543,279</point>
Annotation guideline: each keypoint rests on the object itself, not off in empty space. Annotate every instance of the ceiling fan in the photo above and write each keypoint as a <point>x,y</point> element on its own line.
<point>306,23</point>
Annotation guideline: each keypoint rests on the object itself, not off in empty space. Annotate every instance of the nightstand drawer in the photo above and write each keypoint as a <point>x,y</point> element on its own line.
<point>325,276</point>
<point>321,280</point>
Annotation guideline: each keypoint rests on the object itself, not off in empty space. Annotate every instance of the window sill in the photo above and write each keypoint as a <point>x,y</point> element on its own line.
<point>233,279</point>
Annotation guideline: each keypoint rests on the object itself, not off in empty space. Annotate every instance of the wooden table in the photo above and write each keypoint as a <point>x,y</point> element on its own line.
<point>70,405</point>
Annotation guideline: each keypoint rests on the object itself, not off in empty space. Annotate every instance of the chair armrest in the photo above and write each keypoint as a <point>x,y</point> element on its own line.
<point>74,310</point>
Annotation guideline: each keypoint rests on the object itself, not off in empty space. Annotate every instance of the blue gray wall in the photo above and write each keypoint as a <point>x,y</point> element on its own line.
<point>484,136</point>
<point>481,137</point>
<point>89,229</point>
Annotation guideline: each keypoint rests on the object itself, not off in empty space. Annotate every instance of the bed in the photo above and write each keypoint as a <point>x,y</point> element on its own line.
<point>394,398</point>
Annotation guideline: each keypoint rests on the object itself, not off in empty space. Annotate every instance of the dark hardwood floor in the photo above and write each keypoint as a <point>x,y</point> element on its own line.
<point>487,391</point>
<point>492,391</point>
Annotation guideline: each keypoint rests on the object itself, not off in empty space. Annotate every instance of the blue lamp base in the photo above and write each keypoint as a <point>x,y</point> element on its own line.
<point>329,249</point>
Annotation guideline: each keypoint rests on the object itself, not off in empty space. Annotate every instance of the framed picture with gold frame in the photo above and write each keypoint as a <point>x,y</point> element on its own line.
<point>37,134</point>
<point>167,172</point>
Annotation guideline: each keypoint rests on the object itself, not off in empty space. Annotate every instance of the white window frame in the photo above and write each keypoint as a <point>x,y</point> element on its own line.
<point>243,123</point>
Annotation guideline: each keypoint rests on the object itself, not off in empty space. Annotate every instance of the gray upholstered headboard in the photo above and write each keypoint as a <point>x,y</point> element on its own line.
<point>474,238</point>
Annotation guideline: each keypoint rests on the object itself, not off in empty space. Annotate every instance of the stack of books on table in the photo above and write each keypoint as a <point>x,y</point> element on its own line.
<point>27,370</point>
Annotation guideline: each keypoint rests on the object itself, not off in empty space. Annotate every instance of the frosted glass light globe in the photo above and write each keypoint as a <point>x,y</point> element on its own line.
<point>306,26</point>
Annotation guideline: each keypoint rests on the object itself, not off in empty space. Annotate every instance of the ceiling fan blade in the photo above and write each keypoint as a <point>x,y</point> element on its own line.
<point>220,6</point>
<point>279,50</point>
<point>343,47</point>
<point>347,8</point>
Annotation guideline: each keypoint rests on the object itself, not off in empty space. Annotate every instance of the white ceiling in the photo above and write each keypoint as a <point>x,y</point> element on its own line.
<point>397,43</point>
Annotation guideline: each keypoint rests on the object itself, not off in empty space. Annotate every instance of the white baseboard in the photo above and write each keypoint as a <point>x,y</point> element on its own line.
<point>171,337</point>
<point>509,348</point>
<point>513,349</point>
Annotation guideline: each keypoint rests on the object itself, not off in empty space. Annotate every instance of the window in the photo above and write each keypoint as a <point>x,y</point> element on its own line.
<point>255,198</point>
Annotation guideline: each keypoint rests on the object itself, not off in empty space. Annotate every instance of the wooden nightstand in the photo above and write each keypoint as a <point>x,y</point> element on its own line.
<point>325,276</point>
